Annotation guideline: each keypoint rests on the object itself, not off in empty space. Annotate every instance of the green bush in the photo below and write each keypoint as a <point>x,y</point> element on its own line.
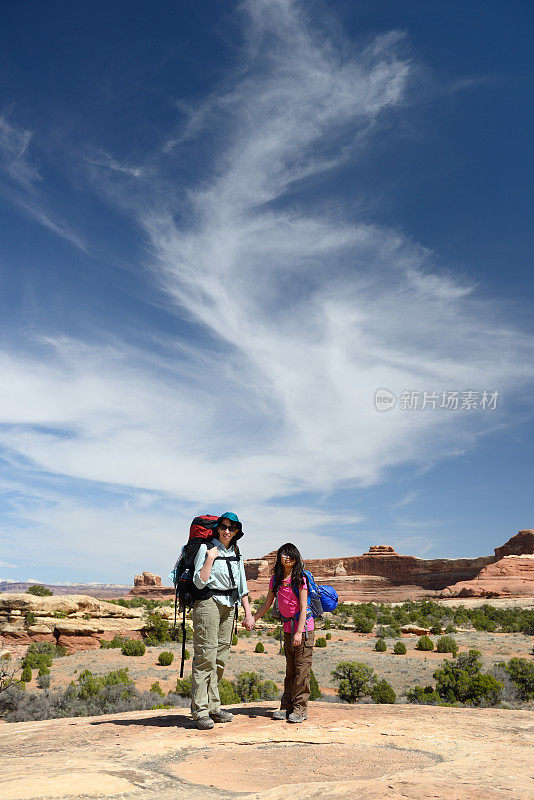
<point>117,641</point>
<point>425,643</point>
<point>450,629</point>
<point>259,648</point>
<point>363,624</point>
<point>446,644</point>
<point>320,642</point>
<point>328,636</point>
<point>521,673</point>
<point>327,625</point>
<point>227,692</point>
<point>26,675</point>
<point>165,658</point>
<point>29,619</point>
<point>133,647</point>
<point>39,655</point>
<point>235,639</point>
<point>356,680</point>
<point>380,646</point>
<point>462,681</point>
<point>399,649</point>
<point>156,688</point>
<point>39,591</point>
<point>249,686</point>
<point>436,630</point>
<point>43,681</point>
<point>187,655</point>
<point>426,696</point>
<point>183,686</point>
<point>157,630</point>
<point>315,692</point>
<point>383,693</point>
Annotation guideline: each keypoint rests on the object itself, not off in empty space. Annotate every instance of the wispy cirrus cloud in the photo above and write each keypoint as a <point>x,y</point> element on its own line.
<point>301,309</point>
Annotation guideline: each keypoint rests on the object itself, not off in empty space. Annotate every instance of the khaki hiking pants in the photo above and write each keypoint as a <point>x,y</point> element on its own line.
<point>212,628</point>
<point>298,668</point>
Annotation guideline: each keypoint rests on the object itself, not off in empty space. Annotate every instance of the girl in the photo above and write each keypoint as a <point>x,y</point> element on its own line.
<point>219,569</point>
<point>289,585</point>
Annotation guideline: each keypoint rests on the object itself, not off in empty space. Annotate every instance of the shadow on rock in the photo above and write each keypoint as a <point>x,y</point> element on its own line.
<point>167,721</point>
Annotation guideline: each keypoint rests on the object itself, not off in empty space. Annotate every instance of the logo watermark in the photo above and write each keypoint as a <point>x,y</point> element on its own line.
<point>449,400</point>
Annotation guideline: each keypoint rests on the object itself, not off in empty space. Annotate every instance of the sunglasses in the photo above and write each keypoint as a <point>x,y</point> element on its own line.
<point>230,528</point>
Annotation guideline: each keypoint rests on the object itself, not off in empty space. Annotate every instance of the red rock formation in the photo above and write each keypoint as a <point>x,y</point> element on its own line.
<point>147,579</point>
<point>511,576</point>
<point>521,544</point>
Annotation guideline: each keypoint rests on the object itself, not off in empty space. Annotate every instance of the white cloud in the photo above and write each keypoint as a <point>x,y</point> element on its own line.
<point>6,565</point>
<point>103,159</point>
<point>308,310</point>
<point>14,153</point>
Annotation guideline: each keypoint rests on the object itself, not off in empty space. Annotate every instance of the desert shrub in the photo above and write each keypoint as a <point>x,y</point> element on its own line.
<point>521,673</point>
<point>327,625</point>
<point>436,630</point>
<point>117,641</point>
<point>355,680</point>
<point>320,642</point>
<point>43,680</point>
<point>157,630</point>
<point>44,671</point>
<point>156,688</point>
<point>183,686</point>
<point>462,681</point>
<point>39,590</point>
<point>425,643</point>
<point>187,654</point>
<point>249,686</point>
<point>426,696</point>
<point>446,644</point>
<point>176,634</point>
<point>315,692</point>
<point>328,636</point>
<point>90,695</point>
<point>389,632</point>
<point>29,619</point>
<point>450,629</point>
<point>247,634</point>
<point>133,647</point>
<point>381,646</point>
<point>383,693</point>
<point>235,639</point>
<point>259,601</point>
<point>259,648</point>
<point>165,658</point>
<point>399,649</point>
<point>38,656</point>
<point>363,624</point>
<point>26,674</point>
<point>227,692</point>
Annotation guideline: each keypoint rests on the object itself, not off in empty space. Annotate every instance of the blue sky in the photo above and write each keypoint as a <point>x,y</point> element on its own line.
<point>224,227</point>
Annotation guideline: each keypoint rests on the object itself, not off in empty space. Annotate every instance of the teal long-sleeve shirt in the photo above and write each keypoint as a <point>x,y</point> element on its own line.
<point>219,577</point>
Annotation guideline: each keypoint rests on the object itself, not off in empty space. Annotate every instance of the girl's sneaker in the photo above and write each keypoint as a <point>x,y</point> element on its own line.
<point>280,714</point>
<point>294,717</point>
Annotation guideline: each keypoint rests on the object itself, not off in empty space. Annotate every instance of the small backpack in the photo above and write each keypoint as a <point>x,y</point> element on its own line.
<point>186,593</point>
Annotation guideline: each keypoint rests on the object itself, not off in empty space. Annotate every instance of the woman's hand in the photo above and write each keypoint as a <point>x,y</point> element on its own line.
<point>249,622</point>
<point>297,639</point>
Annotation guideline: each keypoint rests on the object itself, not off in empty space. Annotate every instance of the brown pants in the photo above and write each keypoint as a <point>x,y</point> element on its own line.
<point>298,668</point>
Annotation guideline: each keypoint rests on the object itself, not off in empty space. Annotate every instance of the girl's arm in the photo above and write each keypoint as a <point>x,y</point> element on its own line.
<point>303,601</point>
<point>269,600</point>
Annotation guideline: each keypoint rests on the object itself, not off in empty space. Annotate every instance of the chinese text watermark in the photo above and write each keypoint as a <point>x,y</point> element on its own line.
<point>469,400</point>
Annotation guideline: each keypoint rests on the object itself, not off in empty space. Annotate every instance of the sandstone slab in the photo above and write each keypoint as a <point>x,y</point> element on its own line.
<point>511,576</point>
<point>366,752</point>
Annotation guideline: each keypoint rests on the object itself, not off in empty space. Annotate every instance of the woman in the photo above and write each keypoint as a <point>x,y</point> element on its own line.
<point>218,567</point>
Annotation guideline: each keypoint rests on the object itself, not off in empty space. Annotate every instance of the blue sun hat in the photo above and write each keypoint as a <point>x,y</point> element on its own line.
<point>233,518</point>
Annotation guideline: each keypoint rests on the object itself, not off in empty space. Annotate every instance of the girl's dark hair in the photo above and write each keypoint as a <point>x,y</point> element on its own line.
<point>297,573</point>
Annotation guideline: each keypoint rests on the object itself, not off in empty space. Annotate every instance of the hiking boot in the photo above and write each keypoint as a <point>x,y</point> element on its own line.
<point>221,715</point>
<point>294,717</point>
<point>204,723</point>
<point>280,714</point>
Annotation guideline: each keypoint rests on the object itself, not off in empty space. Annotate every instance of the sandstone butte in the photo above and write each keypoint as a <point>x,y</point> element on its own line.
<point>381,574</point>
<point>359,752</point>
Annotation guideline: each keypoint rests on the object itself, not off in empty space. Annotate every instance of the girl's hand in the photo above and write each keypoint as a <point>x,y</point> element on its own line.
<point>211,555</point>
<point>297,639</point>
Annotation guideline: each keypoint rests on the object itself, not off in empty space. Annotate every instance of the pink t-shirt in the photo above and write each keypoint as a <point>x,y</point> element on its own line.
<point>289,604</point>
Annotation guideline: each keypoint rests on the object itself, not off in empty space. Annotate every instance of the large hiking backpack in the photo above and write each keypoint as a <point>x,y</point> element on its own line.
<point>186,593</point>
<point>320,599</point>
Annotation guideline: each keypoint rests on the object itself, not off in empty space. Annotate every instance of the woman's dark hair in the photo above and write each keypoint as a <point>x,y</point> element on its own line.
<point>297,574</point>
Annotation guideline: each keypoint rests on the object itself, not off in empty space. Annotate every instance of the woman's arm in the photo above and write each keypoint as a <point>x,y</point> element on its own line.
<point>203,564</point>
<point>303,601</point>
<point>269,600</point>
<point>249,620</point>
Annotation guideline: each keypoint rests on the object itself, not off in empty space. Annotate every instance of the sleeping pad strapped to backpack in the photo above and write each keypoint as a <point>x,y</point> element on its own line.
<point>185,592</point>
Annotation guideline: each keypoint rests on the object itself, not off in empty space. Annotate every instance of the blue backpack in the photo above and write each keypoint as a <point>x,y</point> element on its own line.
<point>320,599</point>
